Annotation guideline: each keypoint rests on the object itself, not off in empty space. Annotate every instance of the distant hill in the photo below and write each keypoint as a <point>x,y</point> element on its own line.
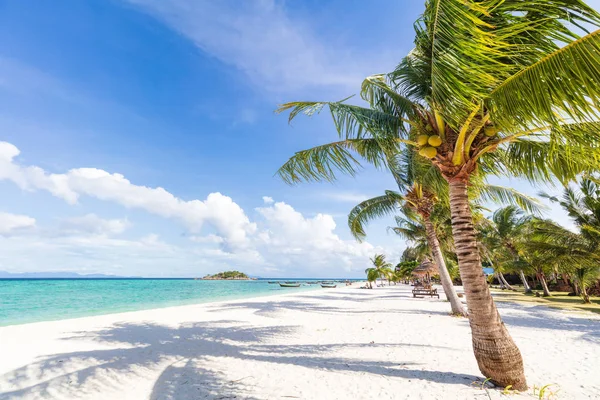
<point>46,275</point>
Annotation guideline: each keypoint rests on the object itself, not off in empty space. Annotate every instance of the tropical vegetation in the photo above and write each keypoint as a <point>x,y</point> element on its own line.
<point>380,269</point>
<point>226,275</point>
<point>504,87</point>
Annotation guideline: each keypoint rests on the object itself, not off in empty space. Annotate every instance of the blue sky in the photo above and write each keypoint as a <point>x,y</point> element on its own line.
<point>140,137</point>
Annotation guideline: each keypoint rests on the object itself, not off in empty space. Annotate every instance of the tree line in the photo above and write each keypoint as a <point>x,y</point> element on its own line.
<point>491,88</point>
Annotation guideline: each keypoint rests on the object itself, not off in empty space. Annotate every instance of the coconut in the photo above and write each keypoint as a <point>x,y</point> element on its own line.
<point>428,152</point>
<point>435,141</point>
<point>422,140</point>
<point>490,130</point>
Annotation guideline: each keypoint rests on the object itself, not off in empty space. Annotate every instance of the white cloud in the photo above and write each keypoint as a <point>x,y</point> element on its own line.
<point>268,45</point>
<point>92,224</point>
<point>13,223</point>
<point>220,211</point>
<point>293,239</point>
<point>207,239</point>
<point>279,241</point>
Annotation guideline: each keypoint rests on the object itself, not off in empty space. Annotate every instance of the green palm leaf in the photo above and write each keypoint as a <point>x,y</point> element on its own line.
<point>371,209</point>
<point>564,83</point>
<point>351,122</point>
<point>323,162</point>
<point>507,195</point>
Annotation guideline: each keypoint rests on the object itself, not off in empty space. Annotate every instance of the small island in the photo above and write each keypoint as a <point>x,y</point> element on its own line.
<point>228,276</point>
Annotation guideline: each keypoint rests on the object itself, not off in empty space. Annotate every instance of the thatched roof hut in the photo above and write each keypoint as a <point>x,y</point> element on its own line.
<point>426,268</point>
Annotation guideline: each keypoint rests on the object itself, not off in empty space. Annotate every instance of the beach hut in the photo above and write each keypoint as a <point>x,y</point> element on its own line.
<point>425,270</point>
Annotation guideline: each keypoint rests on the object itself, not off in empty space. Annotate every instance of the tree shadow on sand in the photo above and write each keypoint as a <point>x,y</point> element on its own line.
<point>178,357</point>
<point>543,317</point>
<point>272,309</point>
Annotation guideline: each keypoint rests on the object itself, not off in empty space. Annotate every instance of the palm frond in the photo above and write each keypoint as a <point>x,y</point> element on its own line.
<point>542,161</point>
<point>507,195</point>
<point>377,92</point>
<point>351,121</point>
<point>457,48</point>
<point>322,163</point>
<point>565,83</point>
<point>368,210</point>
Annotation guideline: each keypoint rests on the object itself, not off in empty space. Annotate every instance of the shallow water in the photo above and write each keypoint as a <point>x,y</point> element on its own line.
<point>33,300</point>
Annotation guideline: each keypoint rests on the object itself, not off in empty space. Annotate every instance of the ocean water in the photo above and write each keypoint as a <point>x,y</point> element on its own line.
<point>33,300</point>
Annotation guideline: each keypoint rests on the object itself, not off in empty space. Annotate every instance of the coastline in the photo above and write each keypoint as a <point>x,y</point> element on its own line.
<point>329,344</point>
<point>198,295</point>
<point>179,307</point>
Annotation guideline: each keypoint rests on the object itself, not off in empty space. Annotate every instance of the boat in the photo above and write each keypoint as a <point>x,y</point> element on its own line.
<point>273,282</point>
<point>328,285</point>
<point>289,284</point>
<point>312,283</point>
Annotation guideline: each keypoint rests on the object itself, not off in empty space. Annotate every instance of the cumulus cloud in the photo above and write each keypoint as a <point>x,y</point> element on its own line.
<point>207,239</point>
<point>218,210</point>
<point>280,240</point>
<point>291,238</point>
<point>13,223</point>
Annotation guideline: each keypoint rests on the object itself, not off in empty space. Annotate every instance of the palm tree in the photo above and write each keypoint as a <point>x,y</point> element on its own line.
<point>570,252</point>
<point>487,88</point>
<point>416,200</point>
<point>503,236</point>
<point>577,253</point>
<point>380,269</point>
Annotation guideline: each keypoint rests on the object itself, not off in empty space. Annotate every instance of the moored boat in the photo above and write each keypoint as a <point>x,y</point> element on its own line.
<point>328,285</point>
<point>289,284</point>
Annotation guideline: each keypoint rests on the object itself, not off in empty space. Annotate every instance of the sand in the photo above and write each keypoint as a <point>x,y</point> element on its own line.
<point>328,344</point>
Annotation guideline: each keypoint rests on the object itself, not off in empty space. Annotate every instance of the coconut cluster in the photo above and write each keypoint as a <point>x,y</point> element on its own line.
<point>428,144</point>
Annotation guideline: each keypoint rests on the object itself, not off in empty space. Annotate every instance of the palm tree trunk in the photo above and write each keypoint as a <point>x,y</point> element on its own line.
<point>584,294</point>
<point>542,280</point>
<point>434,245</point>
<point>498,357</point>
<point>524,280</point>
<point>503,279</point>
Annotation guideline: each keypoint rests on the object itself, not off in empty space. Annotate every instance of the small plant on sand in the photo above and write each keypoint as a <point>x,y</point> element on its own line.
<point>546,392</point>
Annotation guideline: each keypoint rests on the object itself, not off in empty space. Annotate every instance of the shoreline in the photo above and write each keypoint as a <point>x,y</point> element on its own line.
<point>329,344</point>
<point>259,296</point>
<point>167,303</point>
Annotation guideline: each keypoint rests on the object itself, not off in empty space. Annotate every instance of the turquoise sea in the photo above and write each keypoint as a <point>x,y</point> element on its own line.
<point>33,300</point>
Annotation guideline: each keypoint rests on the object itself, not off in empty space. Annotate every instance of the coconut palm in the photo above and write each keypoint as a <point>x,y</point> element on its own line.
<point>418,183</point>
<point>503,236</point>
<point>570,252</point>
<point>405,268</point>
<point>380,269</point>
<point>576,253</point>
<point>421,202</point>
<point>372,276</point>
<point>487,88</point>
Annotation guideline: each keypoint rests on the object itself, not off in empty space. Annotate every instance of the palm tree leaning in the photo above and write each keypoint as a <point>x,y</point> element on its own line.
<point>491,83</point>
<point>417,200</point>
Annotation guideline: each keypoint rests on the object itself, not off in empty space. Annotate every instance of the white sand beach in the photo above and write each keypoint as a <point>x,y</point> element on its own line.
<point>328,344</point>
